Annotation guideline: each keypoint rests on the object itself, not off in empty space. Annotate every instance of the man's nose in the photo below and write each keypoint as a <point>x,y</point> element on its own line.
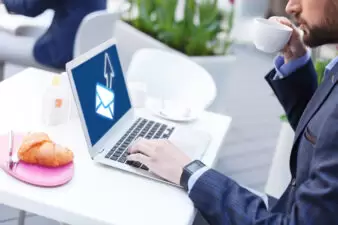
<point>293,7</point>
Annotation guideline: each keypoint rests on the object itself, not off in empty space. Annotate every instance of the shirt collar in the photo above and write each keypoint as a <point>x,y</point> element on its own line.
<point>332,64</point>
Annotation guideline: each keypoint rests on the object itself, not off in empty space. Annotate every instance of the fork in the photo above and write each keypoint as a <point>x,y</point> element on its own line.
<point>11,162</point>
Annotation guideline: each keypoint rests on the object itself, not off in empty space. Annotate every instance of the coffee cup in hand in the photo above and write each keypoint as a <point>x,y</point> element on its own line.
<point>270,36</point>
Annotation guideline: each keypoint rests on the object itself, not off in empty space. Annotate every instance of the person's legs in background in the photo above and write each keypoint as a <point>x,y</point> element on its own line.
<point>16,50</point>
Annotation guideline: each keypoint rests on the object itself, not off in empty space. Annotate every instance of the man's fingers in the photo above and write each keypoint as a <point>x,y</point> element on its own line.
<point>287,55</point>
<point>138,157</point>
<point>283,20</point>
<point>143,146</point>
<point>280,19</point>
<point>286,49</point>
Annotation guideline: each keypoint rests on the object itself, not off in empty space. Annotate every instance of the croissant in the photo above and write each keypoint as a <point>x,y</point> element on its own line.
<point>38,148</point>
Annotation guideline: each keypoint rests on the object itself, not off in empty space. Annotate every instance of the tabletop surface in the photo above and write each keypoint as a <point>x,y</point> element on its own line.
<point>97,194</point>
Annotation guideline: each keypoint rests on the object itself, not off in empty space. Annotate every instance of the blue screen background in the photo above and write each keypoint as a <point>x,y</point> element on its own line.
<point>86,76</point>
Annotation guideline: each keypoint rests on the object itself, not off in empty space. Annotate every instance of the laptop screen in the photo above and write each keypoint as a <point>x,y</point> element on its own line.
<point>102,92</point>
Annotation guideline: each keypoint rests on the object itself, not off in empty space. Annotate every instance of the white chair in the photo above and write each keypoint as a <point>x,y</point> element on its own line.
<point>279,174</point>
<point>95,28</point>
<point>172,76</point>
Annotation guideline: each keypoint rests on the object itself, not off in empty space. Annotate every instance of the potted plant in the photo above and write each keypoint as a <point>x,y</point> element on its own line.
<point>197,29</point>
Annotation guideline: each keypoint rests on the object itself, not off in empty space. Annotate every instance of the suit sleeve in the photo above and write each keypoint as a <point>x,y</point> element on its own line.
<point>29,8</point>
<point>294,91</point>
<point>222,201</point>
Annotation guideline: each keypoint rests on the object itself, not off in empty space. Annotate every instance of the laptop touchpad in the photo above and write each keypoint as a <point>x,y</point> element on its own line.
<point>193,143</point>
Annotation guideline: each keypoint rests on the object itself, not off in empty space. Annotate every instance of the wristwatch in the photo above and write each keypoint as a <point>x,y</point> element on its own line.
<point>189,170</point>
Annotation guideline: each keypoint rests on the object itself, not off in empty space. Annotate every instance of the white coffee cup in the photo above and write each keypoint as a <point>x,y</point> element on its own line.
<point>138,94</point>
<point>270,36</point>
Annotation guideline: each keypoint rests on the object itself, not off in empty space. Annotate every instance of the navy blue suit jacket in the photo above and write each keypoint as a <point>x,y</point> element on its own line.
<point>312,196</point>
<point>55,47</point>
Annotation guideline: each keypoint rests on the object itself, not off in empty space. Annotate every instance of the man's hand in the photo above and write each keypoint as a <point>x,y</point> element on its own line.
<point>295,47</point>
<point>161,157</point>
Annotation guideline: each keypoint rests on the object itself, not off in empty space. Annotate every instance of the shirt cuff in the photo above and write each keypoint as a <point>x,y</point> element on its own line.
<point>283,70</point>
<point>194,177</point>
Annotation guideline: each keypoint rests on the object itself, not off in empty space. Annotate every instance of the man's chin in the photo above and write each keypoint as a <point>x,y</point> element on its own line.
<point>307,41</point>
<point>310,42</point>
<point>318,37</point>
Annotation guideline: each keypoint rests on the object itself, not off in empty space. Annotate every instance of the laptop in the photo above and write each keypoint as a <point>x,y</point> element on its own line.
<point>108,119</point>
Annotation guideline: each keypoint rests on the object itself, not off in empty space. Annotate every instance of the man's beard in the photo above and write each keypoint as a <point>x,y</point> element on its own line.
<point>320,35</point>
<point>324,33</point>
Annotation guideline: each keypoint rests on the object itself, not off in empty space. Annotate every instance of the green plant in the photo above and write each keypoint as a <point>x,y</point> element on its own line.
<point>196,34</point>
<point>320,66</point>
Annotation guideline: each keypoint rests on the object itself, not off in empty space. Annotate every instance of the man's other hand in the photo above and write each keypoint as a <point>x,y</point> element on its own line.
<point>295,47</point>
<point>161,157</point>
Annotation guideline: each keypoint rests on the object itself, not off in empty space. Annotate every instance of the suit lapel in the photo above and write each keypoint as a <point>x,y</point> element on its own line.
<point>315,103</point>
<point>313,106</point>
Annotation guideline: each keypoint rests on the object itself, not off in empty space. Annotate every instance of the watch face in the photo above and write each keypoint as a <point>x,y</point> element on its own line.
<point>188,171</point>
<point>194,166</point>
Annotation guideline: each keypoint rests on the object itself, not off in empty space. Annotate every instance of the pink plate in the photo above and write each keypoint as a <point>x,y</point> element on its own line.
<point>34,174</point>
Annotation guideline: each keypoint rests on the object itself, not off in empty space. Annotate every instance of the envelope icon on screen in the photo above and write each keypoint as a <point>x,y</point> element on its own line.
<point>104,101</point>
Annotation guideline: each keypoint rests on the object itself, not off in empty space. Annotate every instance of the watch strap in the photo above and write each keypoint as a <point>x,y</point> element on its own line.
<point>188,170</point>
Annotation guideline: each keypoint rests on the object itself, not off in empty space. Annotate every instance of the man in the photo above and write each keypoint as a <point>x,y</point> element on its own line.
<point>54,48</point>
<point>312,195</point>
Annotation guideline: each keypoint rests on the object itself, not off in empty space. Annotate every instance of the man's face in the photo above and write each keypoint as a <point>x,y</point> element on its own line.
<point>317,18</point>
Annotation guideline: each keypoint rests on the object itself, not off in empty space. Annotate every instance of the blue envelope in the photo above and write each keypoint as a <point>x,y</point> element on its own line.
<point>104,101</point>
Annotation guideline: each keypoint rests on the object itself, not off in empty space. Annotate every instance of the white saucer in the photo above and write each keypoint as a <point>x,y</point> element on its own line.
<point>172,111</point>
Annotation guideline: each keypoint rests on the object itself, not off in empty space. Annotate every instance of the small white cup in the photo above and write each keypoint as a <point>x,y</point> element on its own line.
<point>270,36</point>
<point>138,94</point>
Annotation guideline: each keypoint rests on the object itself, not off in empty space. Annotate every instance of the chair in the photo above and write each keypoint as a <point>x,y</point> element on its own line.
<point>172,76</point>
<point>102,22</point>
<point>279,174</point>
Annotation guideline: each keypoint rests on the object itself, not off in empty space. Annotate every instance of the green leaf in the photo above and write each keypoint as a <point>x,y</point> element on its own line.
<point>320,66</point>
<point>283,118</point>
<point>157,18</point>
<point>226,46</point>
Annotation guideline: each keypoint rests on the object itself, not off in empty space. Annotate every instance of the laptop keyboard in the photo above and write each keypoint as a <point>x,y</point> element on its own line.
<point>141,128</point>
